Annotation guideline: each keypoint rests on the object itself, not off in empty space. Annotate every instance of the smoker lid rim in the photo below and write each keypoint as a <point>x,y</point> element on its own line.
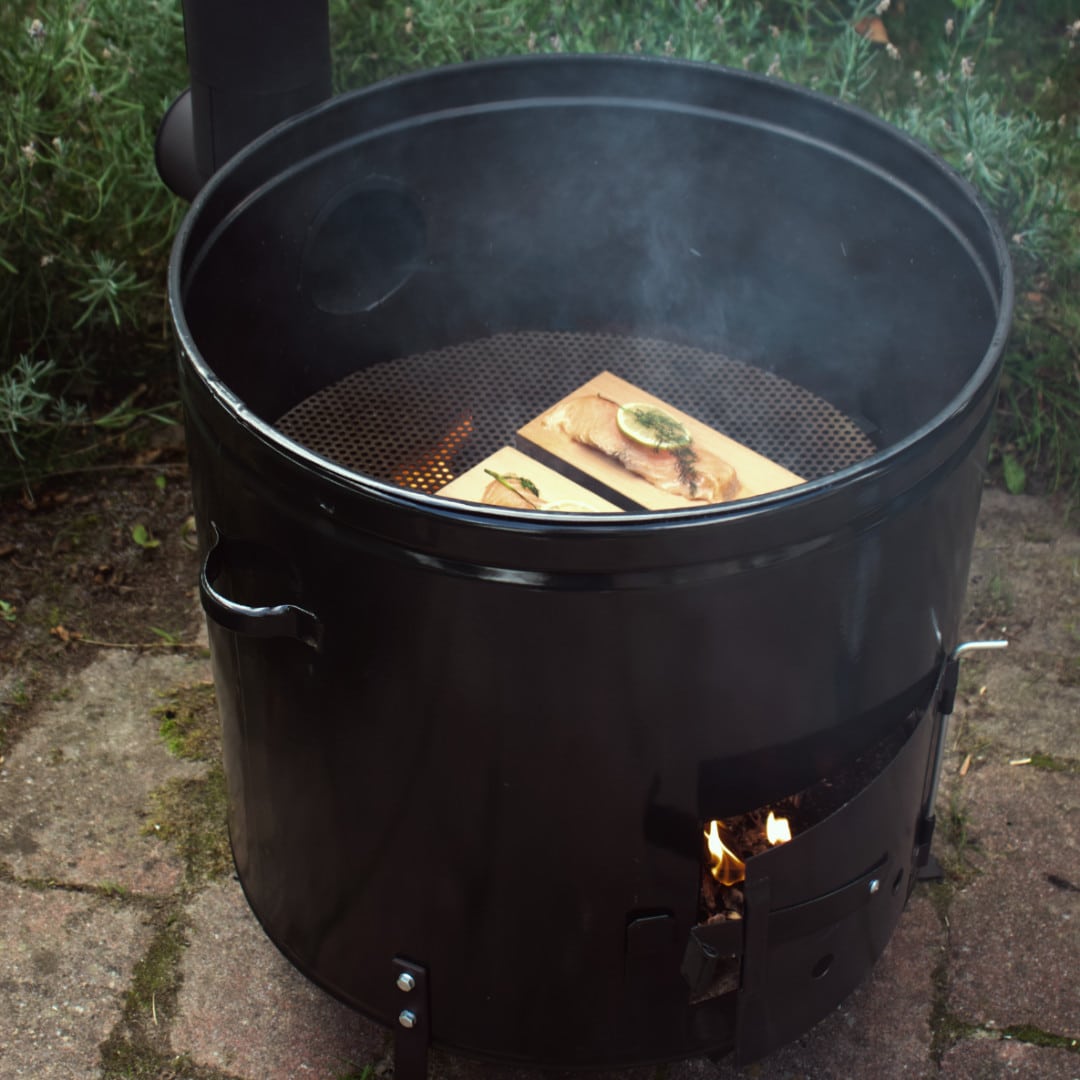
<point>954,411</point>
<point>883,463</point>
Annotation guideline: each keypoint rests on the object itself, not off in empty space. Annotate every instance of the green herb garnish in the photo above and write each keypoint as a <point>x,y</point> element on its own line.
<point>527,484</point>
<point>667,432</point>
<point>685,462</point>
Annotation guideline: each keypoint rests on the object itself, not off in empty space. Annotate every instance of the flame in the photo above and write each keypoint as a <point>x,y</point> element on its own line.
<point>431,472</point>
<point>777,830</point>
<point>727,868</point>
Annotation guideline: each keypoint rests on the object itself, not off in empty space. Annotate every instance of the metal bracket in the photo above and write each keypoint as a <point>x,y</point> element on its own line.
<point>413,1019</point>
<point>930,870</point>
<point>707,945</point>
<point>924,835</point>
<point>751,1008</point>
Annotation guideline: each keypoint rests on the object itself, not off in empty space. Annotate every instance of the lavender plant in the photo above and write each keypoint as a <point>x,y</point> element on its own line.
<point>85,223</point>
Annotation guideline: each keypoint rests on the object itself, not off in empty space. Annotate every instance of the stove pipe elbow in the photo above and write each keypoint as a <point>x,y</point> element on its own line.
<point>251,67</point>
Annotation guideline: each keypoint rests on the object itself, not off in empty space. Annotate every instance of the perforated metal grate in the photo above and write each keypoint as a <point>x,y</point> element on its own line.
<point>421,420</point>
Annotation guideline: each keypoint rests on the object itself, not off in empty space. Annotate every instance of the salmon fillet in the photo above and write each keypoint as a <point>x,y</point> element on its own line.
<point>690,471</point>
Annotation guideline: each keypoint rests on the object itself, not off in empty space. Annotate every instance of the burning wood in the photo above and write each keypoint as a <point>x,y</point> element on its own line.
<point>777,830</point>
<point>725,869</point>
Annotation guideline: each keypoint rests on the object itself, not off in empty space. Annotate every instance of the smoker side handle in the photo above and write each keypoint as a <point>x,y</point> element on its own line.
<point>278,620</point>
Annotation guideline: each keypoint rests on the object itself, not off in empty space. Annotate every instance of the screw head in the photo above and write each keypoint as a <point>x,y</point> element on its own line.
<point>407,1018</point>
<point>405,982</point>
<point>874,886</point>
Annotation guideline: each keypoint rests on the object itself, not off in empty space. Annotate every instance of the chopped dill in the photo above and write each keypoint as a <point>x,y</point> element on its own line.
<point>686,461</point>
<point>667,431</point>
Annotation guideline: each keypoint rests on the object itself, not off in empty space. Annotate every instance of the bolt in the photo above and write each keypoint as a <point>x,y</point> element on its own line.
<point>407,1018</point>
<point>405,982</point>
<point>874,886</point>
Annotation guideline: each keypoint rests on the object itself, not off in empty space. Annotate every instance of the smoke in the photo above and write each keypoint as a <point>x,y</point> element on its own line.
<point>635,197</point>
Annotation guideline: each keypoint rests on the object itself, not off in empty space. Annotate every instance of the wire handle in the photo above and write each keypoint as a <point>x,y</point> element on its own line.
<point>278,620</point>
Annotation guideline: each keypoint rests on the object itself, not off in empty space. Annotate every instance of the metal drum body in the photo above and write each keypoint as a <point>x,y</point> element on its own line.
<point>456,755</point>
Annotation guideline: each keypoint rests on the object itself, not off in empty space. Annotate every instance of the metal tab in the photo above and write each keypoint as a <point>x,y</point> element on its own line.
<point>649,943</point>
<point>414,1029</point>
<point>802,920</point>
<point>708,945</point>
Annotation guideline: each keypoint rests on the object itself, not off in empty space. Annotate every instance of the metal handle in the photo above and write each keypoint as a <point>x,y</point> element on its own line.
<point>946,702</point>
<point>975,646</point>
<point>279,620</point>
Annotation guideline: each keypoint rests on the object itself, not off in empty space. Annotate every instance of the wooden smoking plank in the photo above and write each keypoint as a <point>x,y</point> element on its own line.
<point>554,488</point>
<point>757,475</point>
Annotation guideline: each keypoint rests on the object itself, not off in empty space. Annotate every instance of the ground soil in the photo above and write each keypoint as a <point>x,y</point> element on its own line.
<point>75,580</point>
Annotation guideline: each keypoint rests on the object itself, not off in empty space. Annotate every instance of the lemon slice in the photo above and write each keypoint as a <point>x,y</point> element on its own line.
<point>570,506</point>
<point>650,426</point>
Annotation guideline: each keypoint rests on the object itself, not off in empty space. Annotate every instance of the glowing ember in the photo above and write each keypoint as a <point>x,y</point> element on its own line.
<point>777,830</point>
<point>727,868</point>
<point>432,471</point>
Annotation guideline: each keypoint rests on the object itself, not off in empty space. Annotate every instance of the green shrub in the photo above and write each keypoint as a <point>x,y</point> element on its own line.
<point>85,223</point>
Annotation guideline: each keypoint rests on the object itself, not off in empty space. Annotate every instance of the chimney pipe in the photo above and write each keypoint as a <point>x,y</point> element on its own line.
<point>251,67</point>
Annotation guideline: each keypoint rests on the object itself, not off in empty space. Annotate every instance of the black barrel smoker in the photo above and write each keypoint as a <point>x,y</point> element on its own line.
<point>471,752</point>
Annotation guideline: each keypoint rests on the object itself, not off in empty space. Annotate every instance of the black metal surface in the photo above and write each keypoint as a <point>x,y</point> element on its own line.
<point>710,947</point>
<point>174,149</point>
<point>247,74</point>
<point>808,949</point>
<point>501,698</point>
<point>264,620</point>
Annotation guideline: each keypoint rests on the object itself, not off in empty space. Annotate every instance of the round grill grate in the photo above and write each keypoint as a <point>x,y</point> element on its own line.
<point>421,420</point>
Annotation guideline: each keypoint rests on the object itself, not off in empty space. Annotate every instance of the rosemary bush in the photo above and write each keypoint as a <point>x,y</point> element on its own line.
<point>84,221</point>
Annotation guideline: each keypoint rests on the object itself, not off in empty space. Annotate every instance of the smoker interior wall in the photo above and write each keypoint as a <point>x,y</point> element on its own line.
<point>638,216</point>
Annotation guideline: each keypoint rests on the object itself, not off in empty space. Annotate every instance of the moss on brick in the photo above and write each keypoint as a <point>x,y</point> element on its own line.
<point>189,722</point>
